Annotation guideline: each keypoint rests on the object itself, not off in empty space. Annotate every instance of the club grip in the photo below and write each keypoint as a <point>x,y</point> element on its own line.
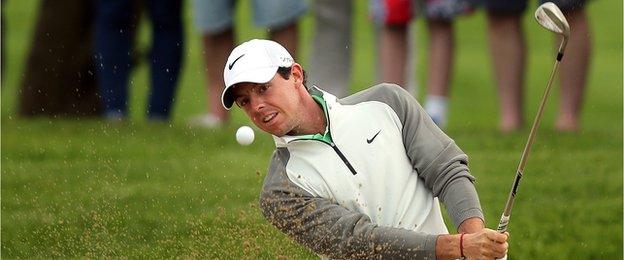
<point>502,224</point>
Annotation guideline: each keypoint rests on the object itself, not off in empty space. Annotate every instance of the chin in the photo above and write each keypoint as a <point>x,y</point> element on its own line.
<point>270,130</point>
<point>278,133</point>
<point>275,128</point>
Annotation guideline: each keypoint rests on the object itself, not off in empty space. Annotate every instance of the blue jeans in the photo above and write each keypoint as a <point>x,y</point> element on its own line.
<point>114,37</point>
<point>216,16</point>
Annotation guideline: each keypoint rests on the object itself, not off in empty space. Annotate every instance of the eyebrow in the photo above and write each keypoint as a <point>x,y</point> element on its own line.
<point>255,85</point>
<point>262,84</point>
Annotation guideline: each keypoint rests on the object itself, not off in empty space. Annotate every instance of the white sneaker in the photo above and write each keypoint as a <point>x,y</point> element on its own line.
<point>205,121</point>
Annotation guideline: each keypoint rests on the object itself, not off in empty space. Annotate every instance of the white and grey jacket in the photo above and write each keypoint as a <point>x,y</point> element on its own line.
<point>369,189</point>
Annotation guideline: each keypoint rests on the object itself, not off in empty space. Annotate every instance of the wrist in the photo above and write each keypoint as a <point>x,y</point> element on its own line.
<point>448,247</point>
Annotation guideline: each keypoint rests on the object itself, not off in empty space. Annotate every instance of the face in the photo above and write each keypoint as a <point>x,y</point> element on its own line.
<point>275,106</point>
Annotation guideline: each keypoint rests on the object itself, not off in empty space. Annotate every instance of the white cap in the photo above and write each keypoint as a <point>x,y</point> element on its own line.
<point>254,61</point>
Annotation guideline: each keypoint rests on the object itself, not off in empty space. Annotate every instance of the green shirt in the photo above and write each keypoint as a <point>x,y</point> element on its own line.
<point>326,137</point>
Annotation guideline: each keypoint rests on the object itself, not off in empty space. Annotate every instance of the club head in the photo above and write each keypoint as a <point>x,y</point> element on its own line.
<point>550,17</point>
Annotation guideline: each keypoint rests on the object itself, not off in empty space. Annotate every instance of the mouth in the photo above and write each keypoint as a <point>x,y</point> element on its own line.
<point>267,118</point>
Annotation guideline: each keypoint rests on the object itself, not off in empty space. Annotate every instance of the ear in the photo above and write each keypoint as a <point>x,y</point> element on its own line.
<point>297,73</point>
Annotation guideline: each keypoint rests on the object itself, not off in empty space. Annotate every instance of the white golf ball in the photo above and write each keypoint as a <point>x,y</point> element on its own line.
<point>244,135</point>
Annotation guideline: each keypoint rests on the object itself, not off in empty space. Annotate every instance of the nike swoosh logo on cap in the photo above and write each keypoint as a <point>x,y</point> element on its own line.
<point>232,64</point>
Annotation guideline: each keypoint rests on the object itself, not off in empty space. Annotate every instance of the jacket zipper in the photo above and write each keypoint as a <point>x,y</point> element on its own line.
<point>344,159</point>
<point>340,154</point>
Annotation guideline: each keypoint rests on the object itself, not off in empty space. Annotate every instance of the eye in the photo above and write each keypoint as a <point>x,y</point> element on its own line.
<point>242,101</point>
<point>262,89</point>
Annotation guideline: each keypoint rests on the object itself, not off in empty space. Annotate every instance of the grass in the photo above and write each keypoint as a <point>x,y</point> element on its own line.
<point>88,188</point>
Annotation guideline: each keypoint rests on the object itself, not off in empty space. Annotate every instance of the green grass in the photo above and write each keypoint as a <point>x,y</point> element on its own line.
<point>88,188</point>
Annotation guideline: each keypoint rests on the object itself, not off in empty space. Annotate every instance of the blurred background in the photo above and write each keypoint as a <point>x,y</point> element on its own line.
<point>78,181</point>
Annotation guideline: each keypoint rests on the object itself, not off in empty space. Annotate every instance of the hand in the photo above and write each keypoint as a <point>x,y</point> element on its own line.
<point>485,244</point>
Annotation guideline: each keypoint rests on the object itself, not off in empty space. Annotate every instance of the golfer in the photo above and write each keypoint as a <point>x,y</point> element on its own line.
<point>358,177</point>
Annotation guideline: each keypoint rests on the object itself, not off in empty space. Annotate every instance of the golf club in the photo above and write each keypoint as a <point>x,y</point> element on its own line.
<point>550,17</point>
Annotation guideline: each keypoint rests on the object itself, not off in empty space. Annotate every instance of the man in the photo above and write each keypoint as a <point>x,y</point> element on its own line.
<point>357,177</point>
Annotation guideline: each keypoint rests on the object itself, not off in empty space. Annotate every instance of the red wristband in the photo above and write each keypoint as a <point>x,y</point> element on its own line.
<point>461,245</point>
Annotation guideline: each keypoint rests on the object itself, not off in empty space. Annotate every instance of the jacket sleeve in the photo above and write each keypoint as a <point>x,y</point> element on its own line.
<point>435,156</point>
<point>329,229</point>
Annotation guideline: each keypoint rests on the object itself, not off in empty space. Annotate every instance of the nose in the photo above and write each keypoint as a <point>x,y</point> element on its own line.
<point>256,102</point>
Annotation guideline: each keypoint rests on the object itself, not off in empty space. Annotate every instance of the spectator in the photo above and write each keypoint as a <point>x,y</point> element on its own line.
<point>506,39</point>
<point>114,35</point>
<point>394,17</point>
<point>215,20</point>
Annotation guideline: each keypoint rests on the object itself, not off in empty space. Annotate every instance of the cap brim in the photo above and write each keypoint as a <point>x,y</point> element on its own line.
<point>262,75</point>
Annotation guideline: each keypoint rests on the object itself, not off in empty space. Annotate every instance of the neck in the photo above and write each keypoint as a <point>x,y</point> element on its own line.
<point>313,119</point>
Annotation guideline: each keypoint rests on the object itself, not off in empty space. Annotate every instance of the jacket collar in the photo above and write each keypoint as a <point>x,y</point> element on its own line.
<point>330,101</point>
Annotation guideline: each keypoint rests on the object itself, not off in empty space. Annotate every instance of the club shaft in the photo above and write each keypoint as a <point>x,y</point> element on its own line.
<point>504,221</point>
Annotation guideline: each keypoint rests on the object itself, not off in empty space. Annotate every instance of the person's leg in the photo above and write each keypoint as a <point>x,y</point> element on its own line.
<point>440,15</point>
<point>392,50</point>
<point>441,50</point>
<point>574,67</point>
<point>165,56</point>
<point>392,19</point>
<point>331,49</point>
<point>281,18</point>
<point>217,47</point>
<point>113,39</point>
<point>507,47</point>
<point>287,36</point>
<point>214,20</point>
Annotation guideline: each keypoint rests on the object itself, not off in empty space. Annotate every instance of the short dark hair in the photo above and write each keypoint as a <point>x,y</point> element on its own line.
<point>285,73</point>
